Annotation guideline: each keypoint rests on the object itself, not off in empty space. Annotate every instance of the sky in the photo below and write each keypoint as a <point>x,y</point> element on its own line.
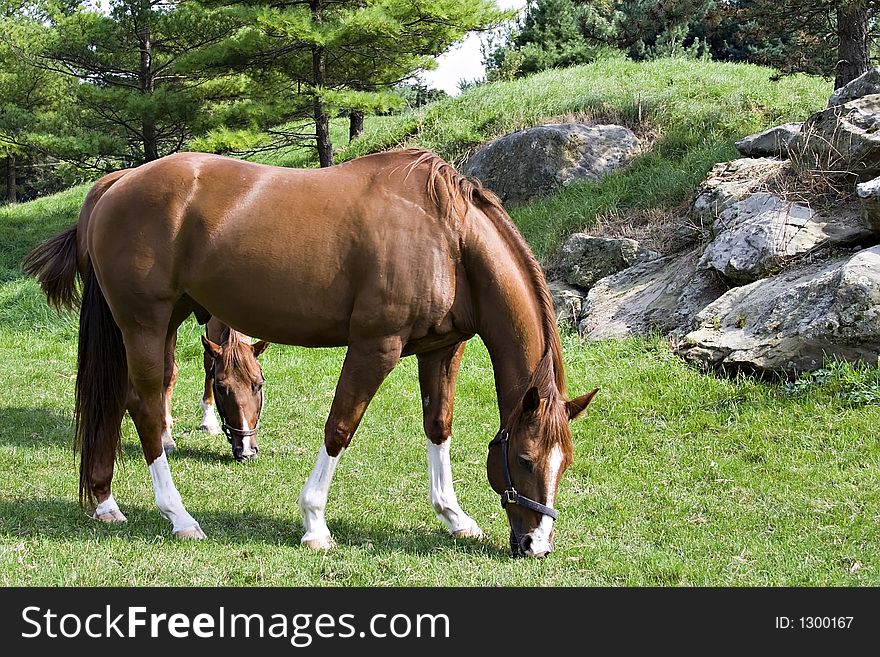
<point>463,61</point>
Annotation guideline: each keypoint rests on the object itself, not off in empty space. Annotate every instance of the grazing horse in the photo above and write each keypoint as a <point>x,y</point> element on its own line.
<point>234,383</point>
<point>390,254</point>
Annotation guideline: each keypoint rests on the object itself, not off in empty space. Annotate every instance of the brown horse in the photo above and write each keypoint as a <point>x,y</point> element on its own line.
<point>234,384</point>
<point>391,254</point>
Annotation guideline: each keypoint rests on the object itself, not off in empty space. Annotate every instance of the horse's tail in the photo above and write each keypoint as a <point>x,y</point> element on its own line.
<point>54,264</point>
<point>102,369</point>
<point>101,384</point>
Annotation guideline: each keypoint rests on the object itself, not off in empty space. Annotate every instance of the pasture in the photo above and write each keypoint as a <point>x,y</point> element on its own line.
<point>679,478</point>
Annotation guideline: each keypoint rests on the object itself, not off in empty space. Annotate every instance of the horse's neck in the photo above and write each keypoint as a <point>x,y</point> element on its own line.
<point>508,318</point>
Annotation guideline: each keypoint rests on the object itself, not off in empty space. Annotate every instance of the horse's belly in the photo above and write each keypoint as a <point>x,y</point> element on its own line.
<point>279,313</point>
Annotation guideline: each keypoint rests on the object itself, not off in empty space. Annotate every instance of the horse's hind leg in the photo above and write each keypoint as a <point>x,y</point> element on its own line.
<point>181,311</point>
<point>145,343</point>
<point>438,371</point>
<point>366,365</point>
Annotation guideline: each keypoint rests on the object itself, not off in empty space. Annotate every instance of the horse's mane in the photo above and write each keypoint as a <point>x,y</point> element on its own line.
<point>238,355</point>
<point>453,193</point>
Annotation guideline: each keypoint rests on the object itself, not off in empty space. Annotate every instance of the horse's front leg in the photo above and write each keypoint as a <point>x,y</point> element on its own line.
<point>367,364</point>
<point>209,419</point>
<point>438,371</point>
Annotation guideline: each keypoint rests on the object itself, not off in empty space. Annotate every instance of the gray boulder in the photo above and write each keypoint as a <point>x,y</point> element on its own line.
<point>756,236</point>
<point>841,141</point>
<point>869,194</point>
<point>773,142</point>
<point>865,85</point>
<point>531,163</point>
<point>584,259</point>
<point>730,182</point>
<point>659,296</point>
<point>792,322</point>
<point>567,303</point>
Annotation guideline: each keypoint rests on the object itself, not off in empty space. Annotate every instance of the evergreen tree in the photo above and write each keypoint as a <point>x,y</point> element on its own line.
<point>826,37</point>
<point>28,96</point>
<point>320,57</point>
<point>135,100</point>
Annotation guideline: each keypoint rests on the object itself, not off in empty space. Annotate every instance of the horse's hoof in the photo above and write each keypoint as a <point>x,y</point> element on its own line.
<point>191,534</point>
<point>212,429</point>
<point>111,516</point>
<point>469,532</point>
<point>319,543</point>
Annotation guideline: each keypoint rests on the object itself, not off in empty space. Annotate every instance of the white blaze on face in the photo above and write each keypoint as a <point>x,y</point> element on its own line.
<point>541,534</point>
<point>247,442</point>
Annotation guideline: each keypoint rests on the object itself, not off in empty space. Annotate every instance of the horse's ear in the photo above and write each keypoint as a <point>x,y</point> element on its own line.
<point>531,401</point>
<point>579,405</point>
<point>259,347</point>
<point>212,349</point>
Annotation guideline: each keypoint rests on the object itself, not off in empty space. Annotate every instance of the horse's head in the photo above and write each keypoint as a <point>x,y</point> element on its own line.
<point>525,464</point>
<point>238,390</point>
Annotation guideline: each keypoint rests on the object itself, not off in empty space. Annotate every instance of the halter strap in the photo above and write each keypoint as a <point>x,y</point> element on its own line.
<point>510,495</point>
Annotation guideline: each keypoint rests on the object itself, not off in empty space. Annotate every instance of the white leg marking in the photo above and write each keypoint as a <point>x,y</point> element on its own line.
<point>313,500</point>
<point>541,534</point>
<point>209,419</point>
<point>108,511</point>
<point>443,497</point>
<point>168,499</point>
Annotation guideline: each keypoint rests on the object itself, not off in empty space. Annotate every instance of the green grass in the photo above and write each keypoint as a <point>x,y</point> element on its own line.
<point>678,479</point>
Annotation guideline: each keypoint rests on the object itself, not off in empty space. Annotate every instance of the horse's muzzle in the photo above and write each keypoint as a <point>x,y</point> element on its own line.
<point>522,547</point>
<point>240,455</point>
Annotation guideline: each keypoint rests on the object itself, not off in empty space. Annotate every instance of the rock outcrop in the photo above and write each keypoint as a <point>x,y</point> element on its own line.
<point>531,163</point>
<point>794,321</point>
<point>773,142</point>
<point>584,259</point>
<point>842,141</point>
<point>756,236</point>
<point>659,296</point>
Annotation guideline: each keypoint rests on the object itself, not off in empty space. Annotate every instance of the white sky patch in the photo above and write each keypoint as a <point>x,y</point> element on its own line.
<point>463,61</point>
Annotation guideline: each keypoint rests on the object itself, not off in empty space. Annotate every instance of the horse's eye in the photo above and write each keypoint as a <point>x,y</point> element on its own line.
<point>257,386</point>
<point>526,463</point>
<point>221,389</point>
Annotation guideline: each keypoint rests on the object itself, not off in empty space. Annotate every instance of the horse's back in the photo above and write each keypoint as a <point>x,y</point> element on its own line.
<point>292,255</point>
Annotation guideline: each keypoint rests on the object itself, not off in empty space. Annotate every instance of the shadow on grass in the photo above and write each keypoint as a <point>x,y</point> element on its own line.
<point>35,427</point>
<point>63,519</point>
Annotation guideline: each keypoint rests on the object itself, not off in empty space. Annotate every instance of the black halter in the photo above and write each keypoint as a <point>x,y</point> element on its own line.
<point>510,496</point>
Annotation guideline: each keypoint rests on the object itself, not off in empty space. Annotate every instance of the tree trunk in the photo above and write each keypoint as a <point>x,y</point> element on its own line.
<point>148,126</point>
<point>355,124</point>
<point>322,120</point>
<point>852,46</point>
<point>11,180</point>
<point>319,79</point>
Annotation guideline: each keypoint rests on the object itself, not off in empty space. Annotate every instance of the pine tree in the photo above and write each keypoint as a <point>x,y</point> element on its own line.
<point>135,100</point>
<point>317,58</point>
<point>28,95</point>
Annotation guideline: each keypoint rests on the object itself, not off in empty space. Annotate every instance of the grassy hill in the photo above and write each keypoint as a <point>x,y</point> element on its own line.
<point>678,479</point>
